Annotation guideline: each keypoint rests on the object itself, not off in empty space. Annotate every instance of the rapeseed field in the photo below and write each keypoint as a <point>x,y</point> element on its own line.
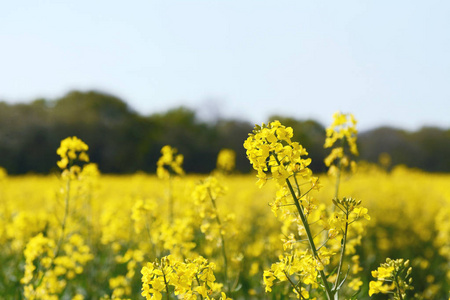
<point>361,231</point>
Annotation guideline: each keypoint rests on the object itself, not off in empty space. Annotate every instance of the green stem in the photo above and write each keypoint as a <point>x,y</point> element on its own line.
<point>165,282</point>
<point>64,222</point>
<point>297,185</point>
<point>311,241</point>
<point>224,253</point>
<point>341,259</point>
<point>398,288</point>
<point>294,285</point>
<point>308,234</point>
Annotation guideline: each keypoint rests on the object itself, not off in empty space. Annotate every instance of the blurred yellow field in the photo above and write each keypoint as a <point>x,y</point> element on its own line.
<point>409,219</point>
<point>360,231</point>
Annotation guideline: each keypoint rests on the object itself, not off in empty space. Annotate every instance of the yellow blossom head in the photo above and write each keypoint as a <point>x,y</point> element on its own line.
<point>341,135</point>
<point>272,152</point>
<point>71,149</point>
<point>169,163</point>
<point>226,160</point>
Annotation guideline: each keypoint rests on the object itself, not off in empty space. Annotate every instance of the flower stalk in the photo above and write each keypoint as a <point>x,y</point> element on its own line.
<point>222,239</point>
<point>312,245</point>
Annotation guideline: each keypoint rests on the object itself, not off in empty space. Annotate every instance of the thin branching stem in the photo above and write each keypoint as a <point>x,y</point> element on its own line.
<point>63,229</point>
<point>341,259</point>
<point>64,221</point>
<point>295,286</point>
<point>312,245</point>
<point>398,287</point>
<point>340,208</point>
<point>318,233</point>
<point>298,187</point>
<point>324,243</point>
<point>312,223</point>
<point>290,204</point>
<point>308,190</point>
<point>165,282</point>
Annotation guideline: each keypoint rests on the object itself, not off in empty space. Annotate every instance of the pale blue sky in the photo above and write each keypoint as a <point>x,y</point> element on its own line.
<point>388,62</point>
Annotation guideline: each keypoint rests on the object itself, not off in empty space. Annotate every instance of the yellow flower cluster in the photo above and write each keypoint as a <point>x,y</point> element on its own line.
<point>169,163</point>
<point>76,255</point>
<point>190,280</point>
<point>70,149</point>
<point>349,211</point>
<point>120,286</point>
<point>57,253</point>
<point>226,160</point>
<point>342,131</point>
<point>46,272</point>
<point>343,127</point>
<point>302,265</point>
<point>392,277</point>
<point>270,149</point>
<point>37,246</point>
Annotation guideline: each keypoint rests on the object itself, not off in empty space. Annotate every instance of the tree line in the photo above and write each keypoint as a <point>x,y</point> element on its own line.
<point>124,141</point>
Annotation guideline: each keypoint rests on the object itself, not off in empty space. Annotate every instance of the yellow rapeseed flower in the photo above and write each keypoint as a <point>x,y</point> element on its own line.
<point>169,162</point>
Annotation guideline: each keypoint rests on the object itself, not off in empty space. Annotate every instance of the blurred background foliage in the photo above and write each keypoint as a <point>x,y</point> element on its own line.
<point>124,141</point>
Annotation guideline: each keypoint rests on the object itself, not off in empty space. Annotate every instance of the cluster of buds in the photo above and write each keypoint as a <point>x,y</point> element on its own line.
<point>352,207</point>
<point>392,277</point>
